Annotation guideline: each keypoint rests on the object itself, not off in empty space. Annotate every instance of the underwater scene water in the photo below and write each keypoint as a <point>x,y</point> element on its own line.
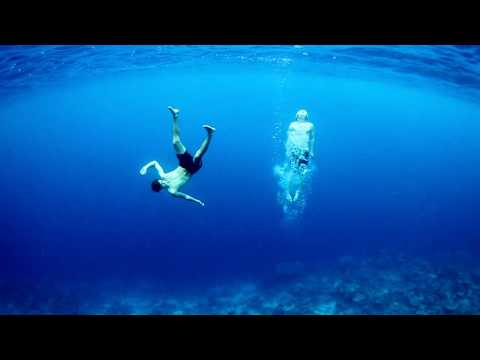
<point>386,216</point>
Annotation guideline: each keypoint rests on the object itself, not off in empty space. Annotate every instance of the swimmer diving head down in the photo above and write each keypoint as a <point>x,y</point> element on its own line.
<point>188,164</point>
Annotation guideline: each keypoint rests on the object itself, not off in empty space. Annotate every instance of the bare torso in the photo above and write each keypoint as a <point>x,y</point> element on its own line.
<point>299,136</point>
<point>175,179</point>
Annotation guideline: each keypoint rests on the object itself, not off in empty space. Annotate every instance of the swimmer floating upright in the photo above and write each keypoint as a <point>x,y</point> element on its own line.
<point>297,165</point>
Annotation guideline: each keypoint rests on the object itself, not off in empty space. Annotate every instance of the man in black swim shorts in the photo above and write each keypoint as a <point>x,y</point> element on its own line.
<point>188,164</point>
<point>299,152</point>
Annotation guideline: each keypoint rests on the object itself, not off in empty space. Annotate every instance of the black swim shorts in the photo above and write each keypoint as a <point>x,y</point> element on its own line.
<point>304,159</point>
<point>187,162</point>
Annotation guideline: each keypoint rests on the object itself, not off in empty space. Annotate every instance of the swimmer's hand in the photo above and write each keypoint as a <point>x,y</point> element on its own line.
<point>174,111</point>
<point>143,170</point>
<point>199,202</point>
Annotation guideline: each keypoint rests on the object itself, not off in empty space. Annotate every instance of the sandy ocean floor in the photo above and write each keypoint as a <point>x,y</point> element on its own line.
<point>378,285</point>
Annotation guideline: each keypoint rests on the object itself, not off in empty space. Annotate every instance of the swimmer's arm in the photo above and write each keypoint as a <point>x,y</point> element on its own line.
<point>291,129</point>
<point>312,141</point>
<point>187,197</point>
<point>290,132</point>
<point>159,169</point>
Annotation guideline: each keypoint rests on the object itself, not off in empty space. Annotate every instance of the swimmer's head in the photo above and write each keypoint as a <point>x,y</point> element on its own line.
<point>156,186</point>
<point>302,115</point>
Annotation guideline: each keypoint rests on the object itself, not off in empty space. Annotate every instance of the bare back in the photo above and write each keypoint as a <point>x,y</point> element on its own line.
<point>300,135</point>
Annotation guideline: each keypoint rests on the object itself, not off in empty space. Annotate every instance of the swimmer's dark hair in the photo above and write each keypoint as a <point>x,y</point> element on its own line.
<point>156,185</point>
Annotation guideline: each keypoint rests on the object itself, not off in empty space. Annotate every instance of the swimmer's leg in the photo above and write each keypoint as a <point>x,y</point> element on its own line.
<point>297,193</point>
<point>294,189</point>
<point>289,197</point>
<point>204,146</point>
<point>177,143</point>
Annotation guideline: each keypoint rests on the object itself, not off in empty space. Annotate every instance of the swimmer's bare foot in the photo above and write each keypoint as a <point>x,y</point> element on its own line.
<point>210,129</point>
<point>174,111</point>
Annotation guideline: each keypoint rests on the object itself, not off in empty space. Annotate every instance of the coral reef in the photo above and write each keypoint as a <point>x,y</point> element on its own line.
<point>385,284</point>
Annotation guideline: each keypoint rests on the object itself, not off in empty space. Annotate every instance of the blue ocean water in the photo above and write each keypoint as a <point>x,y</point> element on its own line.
<point>389,224</point>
